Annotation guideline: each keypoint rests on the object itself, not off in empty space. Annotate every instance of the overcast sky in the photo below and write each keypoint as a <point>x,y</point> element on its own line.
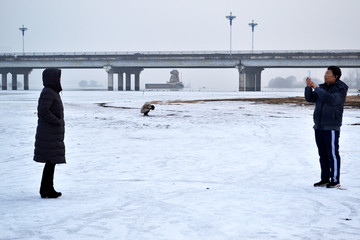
<point>165,25</point>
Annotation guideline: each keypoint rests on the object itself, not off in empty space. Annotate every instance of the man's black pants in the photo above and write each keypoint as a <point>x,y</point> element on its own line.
<point>327,142</point>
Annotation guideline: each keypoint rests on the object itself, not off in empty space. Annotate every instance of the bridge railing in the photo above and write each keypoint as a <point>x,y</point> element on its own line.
<point>132,53</point>
<point>120,53</point>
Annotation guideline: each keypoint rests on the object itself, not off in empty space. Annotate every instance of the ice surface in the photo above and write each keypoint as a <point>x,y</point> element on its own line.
<point>214,170</point>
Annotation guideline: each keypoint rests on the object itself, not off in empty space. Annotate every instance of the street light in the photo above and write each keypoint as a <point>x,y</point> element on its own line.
<point>252,25</point>
<point>23,29</point>
<point>230,17</point>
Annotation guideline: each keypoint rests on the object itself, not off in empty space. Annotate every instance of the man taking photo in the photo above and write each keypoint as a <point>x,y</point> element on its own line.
<point>329,98</point>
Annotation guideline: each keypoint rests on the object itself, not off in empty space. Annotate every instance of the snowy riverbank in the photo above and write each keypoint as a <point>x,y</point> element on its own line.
<point>213,170</point>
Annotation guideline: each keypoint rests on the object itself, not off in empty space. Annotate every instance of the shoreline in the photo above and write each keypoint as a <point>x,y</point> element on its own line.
<point>351,101</point>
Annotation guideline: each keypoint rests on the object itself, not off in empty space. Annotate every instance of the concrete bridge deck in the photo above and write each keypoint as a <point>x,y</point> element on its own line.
<point>249,64</point>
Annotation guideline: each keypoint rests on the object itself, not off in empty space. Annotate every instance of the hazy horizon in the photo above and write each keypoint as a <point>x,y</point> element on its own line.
<point>159,25</point>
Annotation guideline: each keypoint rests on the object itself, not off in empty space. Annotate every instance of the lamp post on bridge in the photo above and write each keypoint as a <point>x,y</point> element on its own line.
<point>23,29</point>
<point>230,17</point>
<point>252,25</point>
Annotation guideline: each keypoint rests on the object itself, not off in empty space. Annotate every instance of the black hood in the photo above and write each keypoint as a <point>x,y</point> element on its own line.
<point>51,79</point>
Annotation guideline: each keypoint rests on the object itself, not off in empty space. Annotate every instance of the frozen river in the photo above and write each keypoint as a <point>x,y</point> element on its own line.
<point>206,170</point>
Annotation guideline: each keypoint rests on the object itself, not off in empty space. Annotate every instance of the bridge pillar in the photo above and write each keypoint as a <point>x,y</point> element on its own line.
<point>120,81</point>
<point>128,72</point>
<point>26,79</point>
<point>137,81</point>
<point>110,73</point>
<point>4,80</point>
<point>14,81</point>
<point>258,81</point>
<point>137,72</point>
<point>110,81</point>
<point>250,84</point>
<point>14,72</point>
<point>128,81</point>
<point>250,78</point>
<point>241,78</point>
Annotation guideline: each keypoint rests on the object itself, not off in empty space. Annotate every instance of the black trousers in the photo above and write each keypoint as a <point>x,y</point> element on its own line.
<point>47,181</point>
<point>327,142</point>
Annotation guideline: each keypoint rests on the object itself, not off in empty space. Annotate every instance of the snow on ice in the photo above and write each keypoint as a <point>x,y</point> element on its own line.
<point>206,170</point>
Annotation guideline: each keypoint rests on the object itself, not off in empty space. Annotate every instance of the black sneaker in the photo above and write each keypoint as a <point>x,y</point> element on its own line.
<point>333,185</point>
<point>322,183</point>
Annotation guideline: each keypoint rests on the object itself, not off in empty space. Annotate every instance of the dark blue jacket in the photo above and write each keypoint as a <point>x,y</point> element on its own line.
<point>329,107</point>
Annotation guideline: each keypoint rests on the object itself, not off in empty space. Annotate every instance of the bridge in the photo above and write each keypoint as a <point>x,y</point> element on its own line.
<point>249,64</point>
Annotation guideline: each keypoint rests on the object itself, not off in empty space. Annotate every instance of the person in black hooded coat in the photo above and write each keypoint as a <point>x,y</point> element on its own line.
<point>49,139</point>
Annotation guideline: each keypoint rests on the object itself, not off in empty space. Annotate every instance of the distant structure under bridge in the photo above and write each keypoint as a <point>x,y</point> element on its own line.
<point>249,64</point>
<point>174,83</point>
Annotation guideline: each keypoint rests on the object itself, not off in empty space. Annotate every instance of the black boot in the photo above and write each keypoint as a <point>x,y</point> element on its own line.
<point>322,183</point>
<point>47,182</point>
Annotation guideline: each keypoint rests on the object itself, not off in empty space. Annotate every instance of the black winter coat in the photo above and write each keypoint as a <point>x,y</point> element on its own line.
<point>329,107</point>
<point>49,139</point>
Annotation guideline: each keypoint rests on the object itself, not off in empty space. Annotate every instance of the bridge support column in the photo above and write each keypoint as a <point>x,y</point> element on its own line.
<point>250,78</point>
<point>14,81</point>
<point>258,81</point>
<point>250,82</point>
<point>120,81</point>
<point>128,81</point>
<point>110,73</point>
<point>137,81</point>
<point>14,72</point>
<point>137,78</point>
<point>26,73</point>
<point>4,80</point>
<point>241,79</point>
<point>128,72</point>
<point>137,72</point>
<point>26,81</point>
<point>110,81</point>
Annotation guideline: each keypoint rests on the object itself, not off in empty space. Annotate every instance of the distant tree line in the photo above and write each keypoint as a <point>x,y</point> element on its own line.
<point>289,82</point>
<point>352,79</point>
<point>91,83</point>
<point>9,84</point>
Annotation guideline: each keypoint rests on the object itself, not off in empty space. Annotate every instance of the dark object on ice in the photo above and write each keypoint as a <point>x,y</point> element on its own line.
<point>146,108</point>
<point>49,139</point>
